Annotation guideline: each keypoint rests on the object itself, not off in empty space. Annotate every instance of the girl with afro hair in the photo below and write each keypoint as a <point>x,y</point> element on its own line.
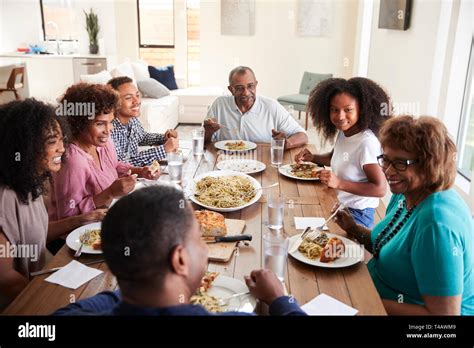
<point>351,112</point>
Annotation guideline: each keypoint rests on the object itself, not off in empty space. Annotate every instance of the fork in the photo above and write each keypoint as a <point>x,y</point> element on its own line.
<point>79,251</point>
<point>319,229</point>
<point>298,241</point>
<point>226,300</point>
<point>261,188</point>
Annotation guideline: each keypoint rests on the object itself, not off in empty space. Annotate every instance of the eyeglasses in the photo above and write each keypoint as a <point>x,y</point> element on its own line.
<point>240,88</point>
<point>400,165</point>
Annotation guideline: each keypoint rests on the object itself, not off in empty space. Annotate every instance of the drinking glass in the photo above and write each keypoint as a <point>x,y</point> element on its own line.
<point>198,141</point>
<point>277,148</point>
<point>276,211</point>
<point>175,167</point>
<point>275,246</point>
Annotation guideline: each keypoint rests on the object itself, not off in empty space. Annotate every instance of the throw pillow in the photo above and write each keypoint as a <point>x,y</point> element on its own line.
<point>164,75</point>
<point>101,78</point>
<point>152,88</point>
<point>140,70</point>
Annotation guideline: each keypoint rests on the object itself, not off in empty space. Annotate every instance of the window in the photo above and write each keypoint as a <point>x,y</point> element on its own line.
<point>466,130</point>
<point>156,23</point>
<point>193,14</point>
<point>59,19</point>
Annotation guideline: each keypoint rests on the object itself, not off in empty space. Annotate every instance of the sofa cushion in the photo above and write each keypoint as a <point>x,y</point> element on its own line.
<point>158,115</point>
<point>164,75</point>
<point>101,78</point>
<point>152,88</point>
<point>140,70</point>
<point>124,69</point>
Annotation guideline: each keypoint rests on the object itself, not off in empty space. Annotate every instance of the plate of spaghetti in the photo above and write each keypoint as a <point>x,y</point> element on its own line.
<point>89,235</point>
<point>328,250</point>
<point>235,145</point>
<point>224,190</point>
<point>215,287</point>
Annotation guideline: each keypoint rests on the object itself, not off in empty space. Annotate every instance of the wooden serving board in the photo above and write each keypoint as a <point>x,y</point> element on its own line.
<point>222,252</point>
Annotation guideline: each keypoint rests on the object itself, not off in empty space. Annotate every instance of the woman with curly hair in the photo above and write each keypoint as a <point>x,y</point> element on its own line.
<point>91,176</point>
<point>31,140</point>
<point>351,111</point>
<point>424,247</point>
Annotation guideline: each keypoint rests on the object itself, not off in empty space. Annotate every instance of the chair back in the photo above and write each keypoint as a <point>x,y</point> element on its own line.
<point>310,80</point>
<point>16,76</point>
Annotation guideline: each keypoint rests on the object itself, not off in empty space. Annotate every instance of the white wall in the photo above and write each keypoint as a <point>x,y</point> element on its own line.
<point>278,56</point>
<point>402,61</point>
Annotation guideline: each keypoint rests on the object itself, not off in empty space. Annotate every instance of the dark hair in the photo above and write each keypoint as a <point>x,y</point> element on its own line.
<point>24,128</point>
<point>116,82</point>
<point>240,70</point>
<point>140,231</point>
<point>428,139</point>
<point>374,104</point>
<point>103,97</point>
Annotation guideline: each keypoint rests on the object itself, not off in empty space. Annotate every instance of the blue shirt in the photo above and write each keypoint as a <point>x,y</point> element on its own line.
<point>110,303</point>
<point>432,254</point>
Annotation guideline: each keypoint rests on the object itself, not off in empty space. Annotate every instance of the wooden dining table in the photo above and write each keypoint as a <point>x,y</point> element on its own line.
<point>351,285</point>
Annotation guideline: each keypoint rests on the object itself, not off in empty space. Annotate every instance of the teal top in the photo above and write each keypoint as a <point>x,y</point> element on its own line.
<point>432,254</point>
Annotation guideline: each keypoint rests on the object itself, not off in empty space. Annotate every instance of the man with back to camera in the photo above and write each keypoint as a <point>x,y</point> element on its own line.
<point>165,262</point>
<point>246,116</point>
<point>128,133</point>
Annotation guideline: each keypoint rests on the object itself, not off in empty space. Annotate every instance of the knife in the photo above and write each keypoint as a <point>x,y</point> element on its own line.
<point>230,239</point>
<point>51,270</point>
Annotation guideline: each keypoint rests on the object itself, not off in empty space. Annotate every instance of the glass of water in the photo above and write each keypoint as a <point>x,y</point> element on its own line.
<point>198,141</point>
<point>276,211</point>
<point>275,246</point>
<point>277,148</point>
<point>175,167</point>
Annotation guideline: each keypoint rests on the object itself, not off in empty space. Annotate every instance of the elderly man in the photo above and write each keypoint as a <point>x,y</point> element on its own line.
<point>128,133</point>
<point>244,115</point>
<point>152,244</point>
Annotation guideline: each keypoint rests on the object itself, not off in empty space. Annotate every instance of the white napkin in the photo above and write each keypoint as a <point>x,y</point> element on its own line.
<point>302,222</point>
<point>327,305</point>
<point>73,275</point>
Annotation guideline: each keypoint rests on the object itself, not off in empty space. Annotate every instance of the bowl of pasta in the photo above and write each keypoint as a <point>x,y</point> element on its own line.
<point>224,190</point>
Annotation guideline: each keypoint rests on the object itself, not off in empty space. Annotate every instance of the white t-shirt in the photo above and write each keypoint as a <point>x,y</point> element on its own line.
<point>256,124</point>
<point>349,157</point>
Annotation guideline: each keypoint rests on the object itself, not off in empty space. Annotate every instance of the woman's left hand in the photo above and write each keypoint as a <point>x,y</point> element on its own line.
<point>327,177</point>
<point>148,173</point>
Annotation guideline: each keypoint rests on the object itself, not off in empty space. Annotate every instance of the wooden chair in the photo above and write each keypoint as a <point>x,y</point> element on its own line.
<point>14,83</point>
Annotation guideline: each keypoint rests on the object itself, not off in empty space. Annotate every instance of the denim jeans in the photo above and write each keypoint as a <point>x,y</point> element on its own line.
<point>364,217</point>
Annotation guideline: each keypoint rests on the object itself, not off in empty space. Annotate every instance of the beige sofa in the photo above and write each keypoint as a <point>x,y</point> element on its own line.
<point>184,105</point>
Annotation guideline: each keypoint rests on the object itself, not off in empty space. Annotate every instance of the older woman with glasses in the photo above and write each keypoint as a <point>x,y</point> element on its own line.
<point>424,247</point>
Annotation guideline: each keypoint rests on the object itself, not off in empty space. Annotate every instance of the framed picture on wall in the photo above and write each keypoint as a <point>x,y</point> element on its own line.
<point>395,14</point>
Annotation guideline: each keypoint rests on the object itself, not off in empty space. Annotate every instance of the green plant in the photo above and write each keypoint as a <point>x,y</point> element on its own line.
<point>92,26</point>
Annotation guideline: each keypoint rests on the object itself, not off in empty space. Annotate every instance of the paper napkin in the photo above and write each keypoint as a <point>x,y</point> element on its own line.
<point>327,305</point>
<point>73,275</point>
<point>302,222</point>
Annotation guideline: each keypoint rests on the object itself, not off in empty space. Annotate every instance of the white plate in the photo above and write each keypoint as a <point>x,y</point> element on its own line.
<point>286,171</point>
<point>246,166</point>
<point>223,287</point>
<point>73,242</point>
<point>191,187</point>
<point>248,145</point>
<point>352,255</point>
